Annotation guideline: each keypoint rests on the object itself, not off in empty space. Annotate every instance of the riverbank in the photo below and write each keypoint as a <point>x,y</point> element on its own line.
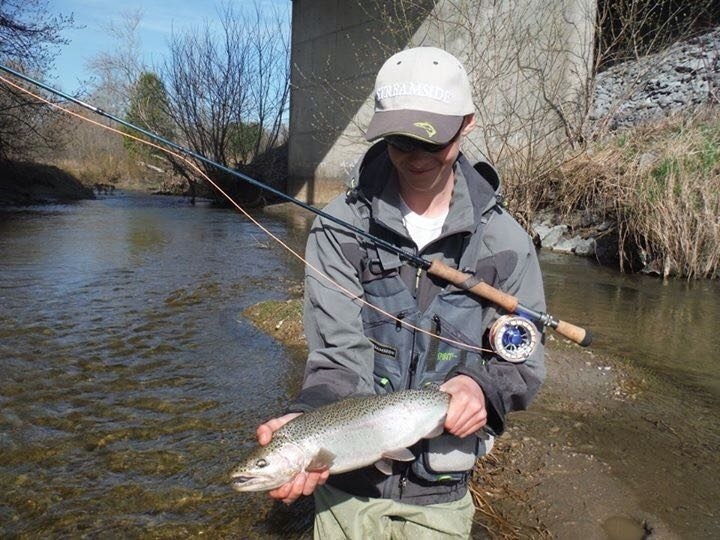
<point>542,481</point>
<point>35,183</point>
<point>539,482</point>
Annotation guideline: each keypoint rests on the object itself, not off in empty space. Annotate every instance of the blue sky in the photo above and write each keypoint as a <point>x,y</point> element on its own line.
<point>160,18</point>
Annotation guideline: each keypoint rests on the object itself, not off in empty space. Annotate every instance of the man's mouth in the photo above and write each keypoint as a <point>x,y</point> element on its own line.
<point>419,170</point>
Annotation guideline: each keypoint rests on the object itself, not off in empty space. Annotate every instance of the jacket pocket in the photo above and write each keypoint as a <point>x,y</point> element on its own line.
<point>387,372</point>
<point>448,458</point>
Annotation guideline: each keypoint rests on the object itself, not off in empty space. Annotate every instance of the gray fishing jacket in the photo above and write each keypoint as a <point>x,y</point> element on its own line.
<point>354,349</point>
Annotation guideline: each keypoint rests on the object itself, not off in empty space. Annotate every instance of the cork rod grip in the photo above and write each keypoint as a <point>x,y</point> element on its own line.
<point>574,333</point>
<point>506,301</point>
<point>471,284</point>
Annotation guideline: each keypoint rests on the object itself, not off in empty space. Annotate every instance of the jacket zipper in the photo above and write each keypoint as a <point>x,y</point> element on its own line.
<point>418,275</point>
<point>403,474</point>
<point>413,368</point>
<point>403,482</point>
<point>398,323</point>
<point>436,330</point>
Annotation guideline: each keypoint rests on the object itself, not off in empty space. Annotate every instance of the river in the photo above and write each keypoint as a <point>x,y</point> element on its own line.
<point>131,383</point>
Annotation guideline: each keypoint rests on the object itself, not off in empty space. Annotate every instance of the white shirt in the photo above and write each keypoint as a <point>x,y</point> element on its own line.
<point>422,230</point>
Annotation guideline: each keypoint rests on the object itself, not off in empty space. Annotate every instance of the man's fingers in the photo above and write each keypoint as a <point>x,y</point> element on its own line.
<point>264,431</point>
<point>303,484</point>
<point>282,492</point>
<point>296,488</point>
<point>468,428</point>
<point>466,419</point>
<point>264,434</point>
<point>310,483</point>
<point>314,480</point>
<point>324,476</point>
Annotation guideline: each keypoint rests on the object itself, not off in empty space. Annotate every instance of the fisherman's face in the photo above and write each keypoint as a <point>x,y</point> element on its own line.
<point>428,172</point>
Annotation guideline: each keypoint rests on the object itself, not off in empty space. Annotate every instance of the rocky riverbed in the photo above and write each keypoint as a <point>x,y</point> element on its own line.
<point>676,81</point>
<point>684,76</point>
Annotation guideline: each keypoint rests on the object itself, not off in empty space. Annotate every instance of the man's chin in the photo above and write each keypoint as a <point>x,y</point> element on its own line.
<point>423,185</point>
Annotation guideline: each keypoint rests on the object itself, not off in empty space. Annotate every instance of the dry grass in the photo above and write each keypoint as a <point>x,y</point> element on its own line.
<point>661,185</point>
<point>105,169</point>
<point>495,496</point>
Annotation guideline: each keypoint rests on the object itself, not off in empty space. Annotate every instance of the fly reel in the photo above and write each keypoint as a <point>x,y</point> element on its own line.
<point>513,338</point>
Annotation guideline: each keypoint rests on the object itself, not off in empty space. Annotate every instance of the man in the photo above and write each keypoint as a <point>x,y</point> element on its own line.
<point>416,190</point>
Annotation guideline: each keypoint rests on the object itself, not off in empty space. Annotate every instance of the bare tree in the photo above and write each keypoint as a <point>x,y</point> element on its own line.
<point>630,29</point>
<point>30,35</point>
<point>229,89</point>
<point>117,71</point>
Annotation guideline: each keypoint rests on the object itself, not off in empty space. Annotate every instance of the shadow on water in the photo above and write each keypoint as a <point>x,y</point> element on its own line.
<point>667,327</point>
<point>131,383</point>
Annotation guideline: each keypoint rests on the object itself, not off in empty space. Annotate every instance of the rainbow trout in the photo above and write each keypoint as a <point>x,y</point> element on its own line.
<point>346,435</point>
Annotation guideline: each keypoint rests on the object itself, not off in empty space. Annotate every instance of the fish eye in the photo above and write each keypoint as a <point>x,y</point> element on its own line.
<point>260,463</point>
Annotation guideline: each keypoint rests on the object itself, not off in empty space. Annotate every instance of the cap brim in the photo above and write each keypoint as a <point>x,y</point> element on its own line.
<point>425,126</point>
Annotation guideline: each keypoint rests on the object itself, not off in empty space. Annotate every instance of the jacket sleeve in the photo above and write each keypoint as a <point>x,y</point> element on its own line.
<point>340,359</point>
<point>510,386</point>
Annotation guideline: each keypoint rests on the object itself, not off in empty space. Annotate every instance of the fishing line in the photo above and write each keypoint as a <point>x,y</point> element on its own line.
<point>352,296</point>
<point>464,281</point>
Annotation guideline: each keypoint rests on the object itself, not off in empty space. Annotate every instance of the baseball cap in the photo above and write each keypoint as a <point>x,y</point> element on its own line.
<point>422,93</point>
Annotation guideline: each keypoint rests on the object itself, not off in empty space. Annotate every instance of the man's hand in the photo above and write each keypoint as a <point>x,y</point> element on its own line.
<point>466,413</point>
<point>305,482</point>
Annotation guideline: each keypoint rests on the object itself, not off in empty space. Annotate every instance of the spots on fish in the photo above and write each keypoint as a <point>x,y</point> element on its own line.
<point>329,417</point>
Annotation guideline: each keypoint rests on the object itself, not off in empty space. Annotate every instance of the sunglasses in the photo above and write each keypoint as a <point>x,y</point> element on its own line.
<point>408,144</point>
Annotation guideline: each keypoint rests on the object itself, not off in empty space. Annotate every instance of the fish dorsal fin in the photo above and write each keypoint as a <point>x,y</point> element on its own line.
<point>401,454</point>
<point>384,466</point>
<point>322,460</point>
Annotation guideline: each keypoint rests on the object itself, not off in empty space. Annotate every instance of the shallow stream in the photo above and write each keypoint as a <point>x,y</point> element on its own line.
<point>131,383</point>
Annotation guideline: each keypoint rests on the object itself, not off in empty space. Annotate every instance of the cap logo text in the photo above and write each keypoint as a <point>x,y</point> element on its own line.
<point>415,89</point>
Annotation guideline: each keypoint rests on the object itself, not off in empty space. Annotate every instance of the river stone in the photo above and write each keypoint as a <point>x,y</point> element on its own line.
<point>624,528</point>
<point>552,235</point>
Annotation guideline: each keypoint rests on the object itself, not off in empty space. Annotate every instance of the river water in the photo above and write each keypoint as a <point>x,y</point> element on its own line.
<point>131,384</point>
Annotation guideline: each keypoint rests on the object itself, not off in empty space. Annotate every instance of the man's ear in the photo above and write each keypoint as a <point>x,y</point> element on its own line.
<point>468,124</point>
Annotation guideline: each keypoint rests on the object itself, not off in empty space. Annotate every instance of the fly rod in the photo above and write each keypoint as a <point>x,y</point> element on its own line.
<point>435,267</point>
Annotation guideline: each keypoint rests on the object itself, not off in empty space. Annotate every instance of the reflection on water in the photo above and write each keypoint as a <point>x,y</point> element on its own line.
<point>131,384</point>
<point>665,445</point>
<point>667,327</point>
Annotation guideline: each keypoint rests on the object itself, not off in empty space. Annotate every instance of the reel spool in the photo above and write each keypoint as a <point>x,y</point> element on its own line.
<point>513,338</point>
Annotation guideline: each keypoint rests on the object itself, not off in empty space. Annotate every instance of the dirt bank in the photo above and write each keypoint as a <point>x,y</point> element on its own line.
<point>31,183</point>
<point>539,482</point>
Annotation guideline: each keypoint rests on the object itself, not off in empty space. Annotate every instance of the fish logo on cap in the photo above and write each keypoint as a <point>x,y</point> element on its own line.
<point>428,127</point>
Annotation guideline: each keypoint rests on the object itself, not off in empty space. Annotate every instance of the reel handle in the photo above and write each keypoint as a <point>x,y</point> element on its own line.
<point>507,301</point>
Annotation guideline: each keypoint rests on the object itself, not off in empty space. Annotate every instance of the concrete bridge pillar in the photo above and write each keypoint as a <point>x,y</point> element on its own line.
<point>528,61</point>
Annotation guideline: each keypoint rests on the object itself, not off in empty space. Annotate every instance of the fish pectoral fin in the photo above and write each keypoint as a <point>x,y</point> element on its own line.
<point>401,454</point>
<point>384,466</point>
<point>322,460</point>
